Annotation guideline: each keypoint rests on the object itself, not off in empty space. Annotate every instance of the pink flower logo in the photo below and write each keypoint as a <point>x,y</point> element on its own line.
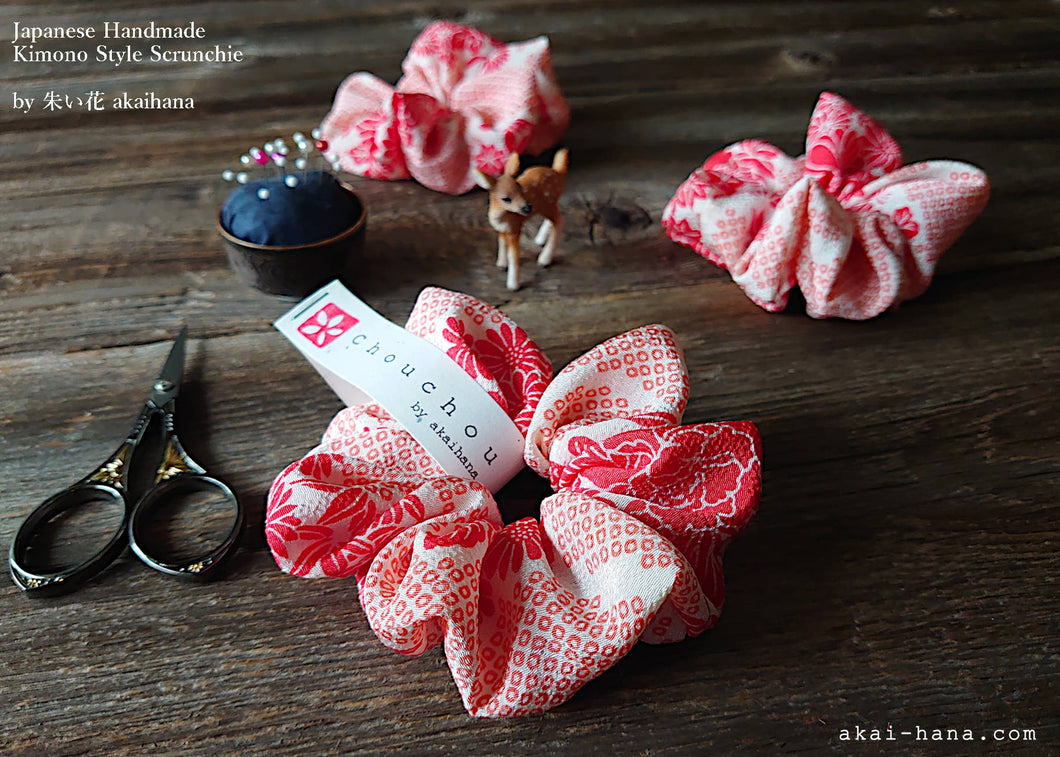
<point>326,325</point>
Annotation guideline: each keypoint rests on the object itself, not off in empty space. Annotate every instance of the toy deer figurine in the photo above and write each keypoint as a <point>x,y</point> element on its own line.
<point>512,200</point>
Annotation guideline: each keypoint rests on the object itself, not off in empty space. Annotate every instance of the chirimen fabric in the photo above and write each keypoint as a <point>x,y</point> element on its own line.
<point>628,548</point>
<point>847,223</point>
<point>465,101</point>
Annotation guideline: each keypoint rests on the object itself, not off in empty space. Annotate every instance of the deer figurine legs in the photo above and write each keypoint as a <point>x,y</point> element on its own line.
<point>555,229</point>
<point>543,233</point>
<point>508,249</point>
<point>510,244</point>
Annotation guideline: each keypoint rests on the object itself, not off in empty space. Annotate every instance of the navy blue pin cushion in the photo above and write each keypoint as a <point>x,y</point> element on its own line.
<point>315,209</point>
<point>290,226</point>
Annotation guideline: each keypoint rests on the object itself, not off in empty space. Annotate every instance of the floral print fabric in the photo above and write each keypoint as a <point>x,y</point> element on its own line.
<point>628,548</point>
<point>849,225</point>
<point>465,101</point>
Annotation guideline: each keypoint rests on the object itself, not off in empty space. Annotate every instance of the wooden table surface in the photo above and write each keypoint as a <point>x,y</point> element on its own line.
<point>902,567</point>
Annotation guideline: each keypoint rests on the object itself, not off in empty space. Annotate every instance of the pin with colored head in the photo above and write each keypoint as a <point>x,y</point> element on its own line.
<point>277,165</point>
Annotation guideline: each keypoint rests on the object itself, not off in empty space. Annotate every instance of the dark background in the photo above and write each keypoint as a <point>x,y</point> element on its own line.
<point>902,568</point>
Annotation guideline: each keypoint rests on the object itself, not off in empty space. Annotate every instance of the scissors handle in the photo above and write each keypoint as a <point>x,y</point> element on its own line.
<point>172,487</point>
<point>177,475</point>
<point>39,583</point>
<point>110,481</point>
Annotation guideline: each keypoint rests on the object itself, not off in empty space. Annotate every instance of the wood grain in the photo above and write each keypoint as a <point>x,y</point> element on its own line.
<point>902,568</point>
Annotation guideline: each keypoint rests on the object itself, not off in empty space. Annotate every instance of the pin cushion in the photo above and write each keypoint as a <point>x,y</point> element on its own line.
<point>290,232</point>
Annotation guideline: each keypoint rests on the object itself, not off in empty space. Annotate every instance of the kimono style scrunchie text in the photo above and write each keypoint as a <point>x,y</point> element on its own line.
<point>465,101</point>
<point>628,548</point>
<point>856,230</point>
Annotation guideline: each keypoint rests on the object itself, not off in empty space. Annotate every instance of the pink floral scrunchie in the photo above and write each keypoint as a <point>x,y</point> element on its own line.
<point>628,548</point>
<point>465,101</point>
<point>856,230</point>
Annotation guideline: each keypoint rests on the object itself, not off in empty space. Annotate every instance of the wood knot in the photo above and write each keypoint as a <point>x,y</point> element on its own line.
<point>808,60</point>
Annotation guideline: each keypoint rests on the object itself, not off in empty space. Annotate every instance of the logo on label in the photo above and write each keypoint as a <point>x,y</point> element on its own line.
<point>327,325</point>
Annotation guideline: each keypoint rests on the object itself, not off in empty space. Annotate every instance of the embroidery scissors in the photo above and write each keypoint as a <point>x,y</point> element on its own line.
<point>177,476</point>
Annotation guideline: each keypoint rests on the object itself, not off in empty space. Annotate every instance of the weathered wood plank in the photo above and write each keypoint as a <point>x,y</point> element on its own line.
<point>902,565</point>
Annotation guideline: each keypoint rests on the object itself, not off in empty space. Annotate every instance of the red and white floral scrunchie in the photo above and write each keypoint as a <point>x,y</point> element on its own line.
<point>628,548</point>
<point>465,101</point>
<point>856,230</point>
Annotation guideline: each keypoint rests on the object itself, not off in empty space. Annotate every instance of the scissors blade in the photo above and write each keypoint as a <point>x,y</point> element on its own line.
<point>167,385</point>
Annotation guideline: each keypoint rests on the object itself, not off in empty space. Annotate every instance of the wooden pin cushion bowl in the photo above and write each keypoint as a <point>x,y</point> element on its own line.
<point>298,270</point>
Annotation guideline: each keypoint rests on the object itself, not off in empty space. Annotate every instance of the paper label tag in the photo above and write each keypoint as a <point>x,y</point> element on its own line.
<point>364,357</point>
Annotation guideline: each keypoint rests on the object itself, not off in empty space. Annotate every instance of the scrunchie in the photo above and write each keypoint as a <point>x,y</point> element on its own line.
<point>465,101</point>
<point>846,222</point>
<point>629,547</point>
<point>319,522</point>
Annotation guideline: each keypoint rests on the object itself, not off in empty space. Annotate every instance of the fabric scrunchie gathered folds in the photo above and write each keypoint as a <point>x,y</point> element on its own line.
<point>628,548</point>
<point>466,101</point>
<point>856,230</point>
